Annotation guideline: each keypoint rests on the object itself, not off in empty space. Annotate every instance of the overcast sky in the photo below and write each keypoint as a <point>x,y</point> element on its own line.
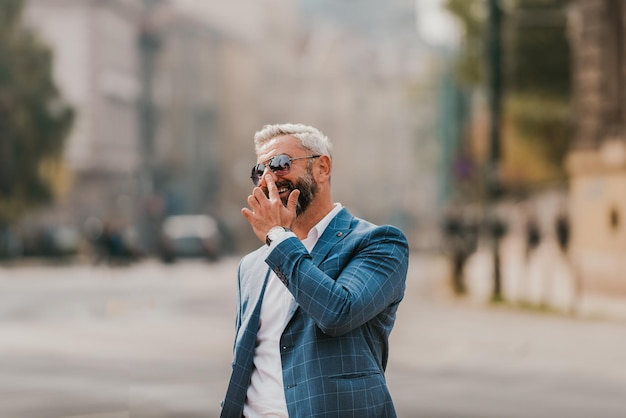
<point>434,24</point>
<point>427,18</point>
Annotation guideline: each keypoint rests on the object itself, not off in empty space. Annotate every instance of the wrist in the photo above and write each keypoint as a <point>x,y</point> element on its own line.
<point>274,233</point>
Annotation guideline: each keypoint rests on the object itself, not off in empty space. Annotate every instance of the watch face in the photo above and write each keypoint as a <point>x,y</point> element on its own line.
<point>274,233</point>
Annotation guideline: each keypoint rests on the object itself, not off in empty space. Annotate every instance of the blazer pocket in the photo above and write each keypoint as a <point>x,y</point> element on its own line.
<point>353,375</point>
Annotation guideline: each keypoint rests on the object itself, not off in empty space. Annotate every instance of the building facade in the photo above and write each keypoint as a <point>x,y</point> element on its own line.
<point>597,160</point>
<point>142,79</point>
<point>169,93</point>
<point>96,67</point>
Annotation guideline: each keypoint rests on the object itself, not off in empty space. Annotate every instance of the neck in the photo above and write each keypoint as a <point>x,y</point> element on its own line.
<point>310,218</point>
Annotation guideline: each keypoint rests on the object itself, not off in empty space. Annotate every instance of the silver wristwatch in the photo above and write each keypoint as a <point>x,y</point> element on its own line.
<point>274,233</point>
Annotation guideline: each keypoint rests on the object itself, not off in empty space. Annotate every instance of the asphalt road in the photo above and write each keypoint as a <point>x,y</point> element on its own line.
<point>151,340</point>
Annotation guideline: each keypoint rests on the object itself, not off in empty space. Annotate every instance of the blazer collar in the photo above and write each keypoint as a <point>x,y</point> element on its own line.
<point>337,230</point>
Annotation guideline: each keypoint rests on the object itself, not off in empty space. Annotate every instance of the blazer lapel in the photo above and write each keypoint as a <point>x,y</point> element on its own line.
<point>336,231</point>
<point>252,290</point>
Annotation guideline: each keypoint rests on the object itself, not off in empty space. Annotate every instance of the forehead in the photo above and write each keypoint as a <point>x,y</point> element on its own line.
<point>285,144</point>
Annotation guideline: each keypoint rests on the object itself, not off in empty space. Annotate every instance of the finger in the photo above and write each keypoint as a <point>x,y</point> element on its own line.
<point>259,194</point>
<point>253,202</point>
<point>247,213</point>
<point>271,186</point>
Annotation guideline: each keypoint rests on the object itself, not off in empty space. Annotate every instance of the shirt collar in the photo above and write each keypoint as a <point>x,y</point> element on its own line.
<point>317,231</point>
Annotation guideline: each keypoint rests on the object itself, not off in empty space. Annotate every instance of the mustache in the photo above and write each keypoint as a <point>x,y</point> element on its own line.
<point>279,185</point>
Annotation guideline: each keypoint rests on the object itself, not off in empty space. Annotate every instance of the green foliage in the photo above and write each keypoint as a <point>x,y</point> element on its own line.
<point>471,17</point>
<point>537,54</point>
<point>536,69</point>
<point>542,122</point>
<point>535,47</point>
<point>33,118</point>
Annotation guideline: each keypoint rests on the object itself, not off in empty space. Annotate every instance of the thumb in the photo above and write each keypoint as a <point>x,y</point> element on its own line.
<point>292,202</point>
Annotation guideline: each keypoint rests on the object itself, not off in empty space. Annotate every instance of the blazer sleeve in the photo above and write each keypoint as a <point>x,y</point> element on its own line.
<point>369,277</point>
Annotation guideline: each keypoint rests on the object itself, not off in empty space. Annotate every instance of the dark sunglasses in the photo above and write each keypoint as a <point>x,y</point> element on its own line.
<point>279,164</point>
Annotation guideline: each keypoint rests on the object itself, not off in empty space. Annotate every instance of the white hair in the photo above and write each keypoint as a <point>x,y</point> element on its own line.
<point>311,138</point>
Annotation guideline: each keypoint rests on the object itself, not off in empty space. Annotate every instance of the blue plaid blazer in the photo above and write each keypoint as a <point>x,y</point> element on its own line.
<point>334,348</point>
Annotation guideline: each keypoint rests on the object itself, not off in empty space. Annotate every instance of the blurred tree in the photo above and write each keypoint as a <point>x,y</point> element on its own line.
<point>472,16</point>
<point>34,120</point>
<point>536,83</point>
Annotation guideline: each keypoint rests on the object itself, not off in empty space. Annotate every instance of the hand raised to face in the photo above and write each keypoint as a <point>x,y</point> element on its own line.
<point>265,212</point>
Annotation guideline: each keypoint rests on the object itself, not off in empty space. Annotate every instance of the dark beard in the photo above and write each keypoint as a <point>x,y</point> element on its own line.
<point>308,189</point>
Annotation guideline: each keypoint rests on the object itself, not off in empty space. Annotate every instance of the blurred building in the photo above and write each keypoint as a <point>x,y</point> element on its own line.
<point>362,74</point>
<point>143,80</point>
<point>359,72</point>
<point>96,66</point>
<point>181,136</point>
<point>597,161</point>
<point>169,94</point>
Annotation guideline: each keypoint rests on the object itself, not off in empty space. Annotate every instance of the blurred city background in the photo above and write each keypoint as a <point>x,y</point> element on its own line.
<point>493,132</point>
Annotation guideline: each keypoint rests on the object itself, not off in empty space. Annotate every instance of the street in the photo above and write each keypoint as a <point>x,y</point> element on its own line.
<point>154,340</point>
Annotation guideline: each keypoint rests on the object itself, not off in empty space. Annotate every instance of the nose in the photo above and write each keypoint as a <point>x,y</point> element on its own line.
<point>262,179</point>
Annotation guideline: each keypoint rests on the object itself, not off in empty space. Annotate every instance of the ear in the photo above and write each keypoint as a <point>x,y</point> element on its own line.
<point>324,167</point>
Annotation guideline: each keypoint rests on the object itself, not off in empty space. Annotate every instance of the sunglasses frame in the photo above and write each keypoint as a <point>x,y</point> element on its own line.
<point>257,171</point>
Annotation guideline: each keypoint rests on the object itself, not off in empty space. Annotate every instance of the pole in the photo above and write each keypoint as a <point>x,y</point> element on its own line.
<point>149,44</point>
<point>493,172</point>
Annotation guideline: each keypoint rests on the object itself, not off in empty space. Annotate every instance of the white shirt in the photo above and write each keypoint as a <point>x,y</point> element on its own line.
<point>266,394</point>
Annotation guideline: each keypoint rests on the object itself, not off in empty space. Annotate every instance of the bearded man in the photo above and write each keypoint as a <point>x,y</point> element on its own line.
<point>317,302</point>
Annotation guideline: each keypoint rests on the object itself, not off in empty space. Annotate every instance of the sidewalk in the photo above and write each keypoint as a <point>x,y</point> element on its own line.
<point>466,358</point>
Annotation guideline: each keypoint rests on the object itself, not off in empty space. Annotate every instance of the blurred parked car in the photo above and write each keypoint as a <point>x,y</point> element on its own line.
<point>186,236</point>
<point>49,241</point>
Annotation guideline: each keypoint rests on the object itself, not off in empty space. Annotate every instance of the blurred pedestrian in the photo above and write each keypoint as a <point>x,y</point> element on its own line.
<point>316,302</point>
<point>533,236</point>
<point>112,245</point>
<point>461,241</point>
<point>562,232</point>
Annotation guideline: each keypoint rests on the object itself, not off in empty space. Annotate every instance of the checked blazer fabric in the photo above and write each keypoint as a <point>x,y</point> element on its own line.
<point>334,348</point>
<point>242,368</point>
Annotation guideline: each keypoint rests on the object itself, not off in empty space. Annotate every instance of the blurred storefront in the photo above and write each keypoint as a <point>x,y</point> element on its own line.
<point>597,159</point>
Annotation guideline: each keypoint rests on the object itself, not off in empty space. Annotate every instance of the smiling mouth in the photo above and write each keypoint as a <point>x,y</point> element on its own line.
<point>284,190</point>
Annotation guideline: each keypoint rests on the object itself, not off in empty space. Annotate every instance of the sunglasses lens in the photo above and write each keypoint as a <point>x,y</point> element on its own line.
<point>257,172</point>
<point>280,164</point>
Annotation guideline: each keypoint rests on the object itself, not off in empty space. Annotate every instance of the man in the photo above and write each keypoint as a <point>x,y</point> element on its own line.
<point>318,300</point>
